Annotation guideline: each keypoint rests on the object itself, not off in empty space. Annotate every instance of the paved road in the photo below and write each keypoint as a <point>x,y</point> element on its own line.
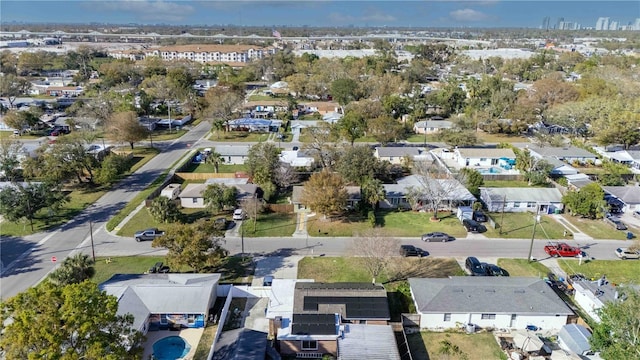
<point>27,260</point>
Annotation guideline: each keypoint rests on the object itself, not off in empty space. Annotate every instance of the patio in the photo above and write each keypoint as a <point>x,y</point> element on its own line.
<point>191,336</point>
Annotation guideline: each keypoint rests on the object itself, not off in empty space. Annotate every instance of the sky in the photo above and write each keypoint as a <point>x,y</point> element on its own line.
<point>321,13</point>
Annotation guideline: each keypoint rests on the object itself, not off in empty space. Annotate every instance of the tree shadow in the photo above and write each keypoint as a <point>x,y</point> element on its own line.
<point>16,256</point>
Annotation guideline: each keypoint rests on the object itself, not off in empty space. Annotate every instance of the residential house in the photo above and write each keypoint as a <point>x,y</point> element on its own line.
<point>570,154</point>
<point>428,127</point>
<point>334,319</point>
<point>487,302</point>
<point>560,168</point>
<point>485,158</point>
<point>353,198</point>
<point>629,196</point>
<point>296,158</point>
<point>192,195</point>
<point>233,154</point>
<point>72,91</point>
<point>593,295</point>
<point>161,301</point>
<point>255,125</point>
<point>453,193</point>
<point>616,154</point>
<point>397,154</point>
<point>578,181</point>
<point>542,200</point>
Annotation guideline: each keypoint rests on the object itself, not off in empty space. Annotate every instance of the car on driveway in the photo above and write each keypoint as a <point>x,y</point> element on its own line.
<point>474,266</point>
<point>615,222</point>
<point>494,270</point>
<point>410,250</point>
<point>626,253</point>
<point>473,226</point>
<point>239,214</point>
<point>479,216</point>
<point>437,236</point>
<point>147,234</point>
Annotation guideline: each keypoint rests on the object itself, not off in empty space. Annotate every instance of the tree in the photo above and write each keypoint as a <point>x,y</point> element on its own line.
<point>111,168</point>
<point>322,144</point>
<point>285,175</point>
<point>13,86</point>
<point>385,129</point>
<point>198,245</point>
<point>351,126</point>
<point>375,249</point>
<point>23,202</point>
<point>372,192</point>
<point>436,185</point>
<point>587,202</point>
<point>357,163</point>
<point>164,210</point>
<point>344,91</point>
<point>617,335</point>
<point>218,196</point>
<point>536,170</point>
<point>11,152</point>
<point>252,207</point>
<point>124,126</point>
<point>21,120</point>
<point>472,180</point>
<point>262,161</point>
<point>458,137</point>
<point>75,269</point>
<point>214,158</point>
<point>222,104</point>
<point>67,158</point>
<point>325,193</point>
<point>76,321</point>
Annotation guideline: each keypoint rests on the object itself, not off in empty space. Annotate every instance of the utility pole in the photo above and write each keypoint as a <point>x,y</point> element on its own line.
<point>242,238</point>
<point>93,250</point>
<point>504,203</point>
<point>533,235</point>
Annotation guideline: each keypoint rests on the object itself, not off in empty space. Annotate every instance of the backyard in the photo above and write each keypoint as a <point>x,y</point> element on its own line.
<point>397,223</point>
<point>431,345</point>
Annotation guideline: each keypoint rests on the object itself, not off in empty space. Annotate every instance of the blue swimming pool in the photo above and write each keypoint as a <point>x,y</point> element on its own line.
<point>170,348</point>
<point>491,170</point>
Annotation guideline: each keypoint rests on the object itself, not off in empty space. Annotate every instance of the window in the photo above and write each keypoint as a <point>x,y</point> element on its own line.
<point>195,200</point>
<point>516,204</point>
<point>488,316</point>
<point>483,159</point>
<point>309,345</point>
<point>531,204</point>
<point>191,319</point>
<point>447,317</point>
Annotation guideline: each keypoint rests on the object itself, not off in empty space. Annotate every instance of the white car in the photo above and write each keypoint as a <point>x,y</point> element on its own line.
<point>626,253</point>
<point>238,214</point>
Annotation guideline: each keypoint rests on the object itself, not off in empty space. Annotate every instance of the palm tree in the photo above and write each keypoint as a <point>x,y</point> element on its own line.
<point>74,270</point>
<point>214,158</point>
<point>372,192</point>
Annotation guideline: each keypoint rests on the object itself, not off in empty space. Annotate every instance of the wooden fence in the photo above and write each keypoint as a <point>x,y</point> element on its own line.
<point>280,208</point>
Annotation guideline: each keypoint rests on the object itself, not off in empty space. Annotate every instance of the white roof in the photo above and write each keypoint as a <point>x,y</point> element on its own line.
<point>291,157</point>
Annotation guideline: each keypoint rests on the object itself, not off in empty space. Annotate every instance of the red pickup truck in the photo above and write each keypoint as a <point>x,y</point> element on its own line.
<point>562,249</point>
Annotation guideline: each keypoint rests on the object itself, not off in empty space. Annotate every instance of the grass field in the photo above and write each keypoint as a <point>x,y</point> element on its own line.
<point>165,134</point>
<point>204,345</point>
<point>237,136</point>
<point>522,267</point>
<point>598,229</point>
<point>520,226</point>
<point>617,271</point>
<point>401,224</point>
<point>223,168</point>
<point>505,183</point>
<point>428,345</point>
<point>270,224</point>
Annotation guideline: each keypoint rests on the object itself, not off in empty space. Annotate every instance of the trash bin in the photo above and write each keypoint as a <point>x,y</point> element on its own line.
<point>629,235</point>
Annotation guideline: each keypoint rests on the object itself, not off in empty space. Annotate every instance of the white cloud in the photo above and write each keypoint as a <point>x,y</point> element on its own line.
<point>370,16</point>
<point>468,15</point>
<point>149,10</point>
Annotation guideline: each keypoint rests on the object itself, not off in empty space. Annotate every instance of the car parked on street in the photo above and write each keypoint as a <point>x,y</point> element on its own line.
<point>410,250</point>
<point>147,234</point>
<point>437,236</point>
<point>626,253</point>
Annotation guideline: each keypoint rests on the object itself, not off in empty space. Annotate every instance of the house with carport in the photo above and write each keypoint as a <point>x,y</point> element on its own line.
<point>488,303</point>
<point>397,154</point>
<point>628,196</point>
<point>192,195</point>
<point>569,154</point>
<point>398,195</point>
<point>485,157</point>
<point>162,301</point>
<point>233,154</point>
<point>542,200</point>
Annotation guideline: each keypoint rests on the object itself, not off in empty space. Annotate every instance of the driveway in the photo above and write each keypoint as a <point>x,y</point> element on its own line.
<point>280,267</point>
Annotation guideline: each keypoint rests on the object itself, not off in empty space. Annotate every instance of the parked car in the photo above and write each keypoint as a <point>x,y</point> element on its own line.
<point>147,234</point>
<point>616,223</point>
<point>474,266</point>
<point>267,281</point>
<point>636,213</point>
<point>410,250</point>
<point>437,236</point>
<point>239,214</point>
<point>479,216</point>
<point>494,270</point>
<point>562,249</point>
<point>220,223</point>
<point>159,267</point>
<point>473,226</point>
<point>626,253</point>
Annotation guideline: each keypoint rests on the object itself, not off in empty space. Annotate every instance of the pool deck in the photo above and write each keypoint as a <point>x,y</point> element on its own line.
<point>192,336</point>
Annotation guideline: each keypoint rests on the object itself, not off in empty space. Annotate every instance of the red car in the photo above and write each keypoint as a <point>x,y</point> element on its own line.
<point>562,249</point>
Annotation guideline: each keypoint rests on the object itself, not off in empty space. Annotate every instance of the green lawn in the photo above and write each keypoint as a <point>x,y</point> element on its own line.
<point>208,168</point>
<point>520,226</point>
<point>522,267</point>
<point>420,138</point>
<point>9,135</point>
<point>617,271</point>
<point>500,138</point>
<point>598,229</point>
<point>398,223</point>
<point>237,136</point>
<point>204,345</point>
<point>270,224</point>
<point>165,134</point>
<point>428,345</point>
<point>506,183</point>
<point>143,220</point>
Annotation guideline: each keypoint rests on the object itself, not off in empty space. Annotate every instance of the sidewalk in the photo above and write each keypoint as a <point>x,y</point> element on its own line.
<point>572,229</point>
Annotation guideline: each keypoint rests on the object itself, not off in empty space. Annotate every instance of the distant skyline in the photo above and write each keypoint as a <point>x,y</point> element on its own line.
<point>320,13</point>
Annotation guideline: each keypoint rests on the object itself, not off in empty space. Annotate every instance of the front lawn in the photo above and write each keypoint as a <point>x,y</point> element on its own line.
<point>506,183</point>
<point>522,267</point>
<point>166,134</point>
<point>143,220</point>
<point>397,223</point>
<point>598,229</point>
<point>520,226</point>
<point>237,136</point>
<point>429,345</point>
<point>210,169</point>
<point>270,225</point>
<point>617,271</point>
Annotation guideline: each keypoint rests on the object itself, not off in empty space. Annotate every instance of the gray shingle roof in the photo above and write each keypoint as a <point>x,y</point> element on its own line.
<point>372,342</point>
<point>561,152</point>
<point>196,190</point>
<point>628,194</point>
<point>397,151</point>
<point>499,295</point>
<point>551,195</point>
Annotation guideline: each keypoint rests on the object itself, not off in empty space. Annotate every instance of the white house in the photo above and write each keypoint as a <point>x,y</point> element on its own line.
<point>593,295</point>
<point>296,159</point>
<point>191,196</point>
<point>454,193</point>
<point>628,195</point>
<point>484,157</point>
<point>544,200</point>
<point>159,301</point>
<point>431,126</point>
<point>397,154</point>
<point>569,154</point>
<point>233,154</point>
<point>487,302</point>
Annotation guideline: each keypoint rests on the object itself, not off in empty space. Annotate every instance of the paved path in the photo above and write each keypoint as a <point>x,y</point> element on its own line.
<point>571,229</point>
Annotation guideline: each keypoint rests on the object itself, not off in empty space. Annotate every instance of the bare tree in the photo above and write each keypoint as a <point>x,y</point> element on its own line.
<point>252,207</point>
<point>285,175</point>
<point>376,249</point>
<point>435,186</point>
<point>322,144</point>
